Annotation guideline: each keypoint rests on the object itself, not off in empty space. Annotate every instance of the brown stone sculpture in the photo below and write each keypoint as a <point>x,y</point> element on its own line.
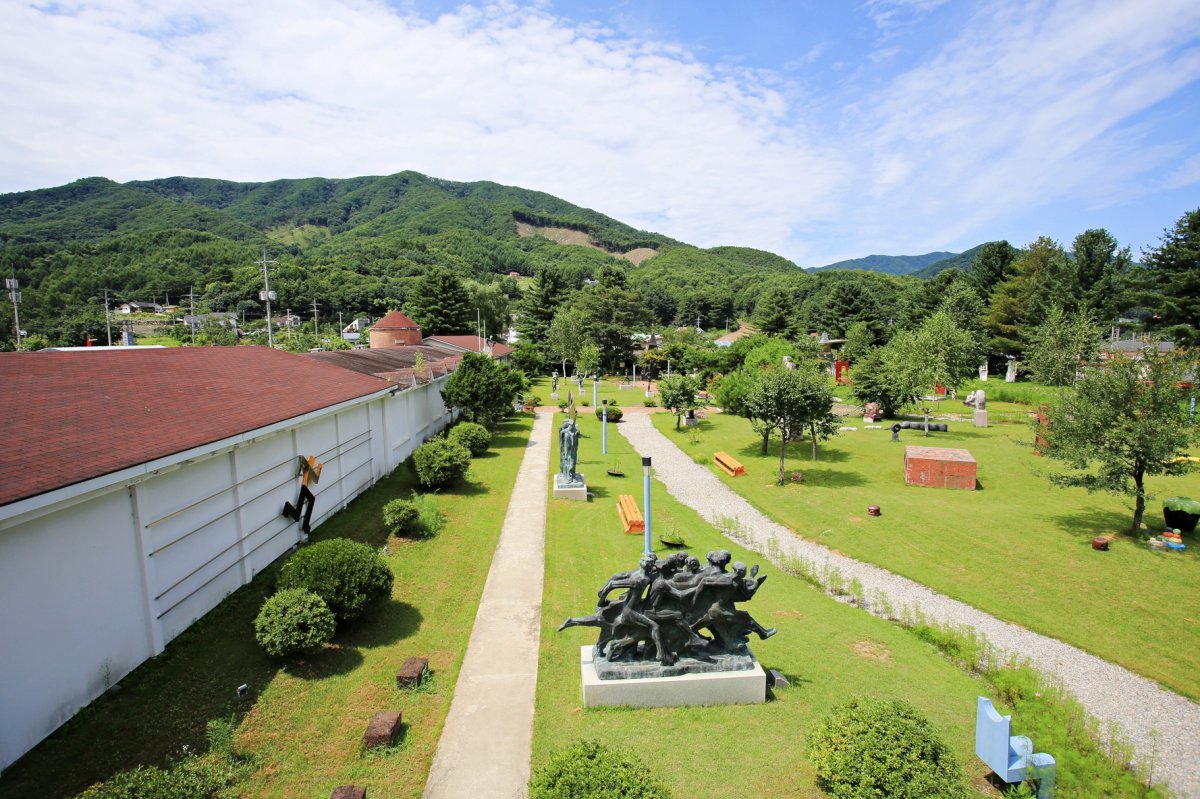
<point>655,627</point>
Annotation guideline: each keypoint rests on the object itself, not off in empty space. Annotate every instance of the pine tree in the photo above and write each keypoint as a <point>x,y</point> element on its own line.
<point>539,305</point>
<point>441,304</point>
<point>1174,279</point>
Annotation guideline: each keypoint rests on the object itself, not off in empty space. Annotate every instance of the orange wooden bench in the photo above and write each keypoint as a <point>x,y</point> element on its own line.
<point>729,464</point>
<point>631,517</point>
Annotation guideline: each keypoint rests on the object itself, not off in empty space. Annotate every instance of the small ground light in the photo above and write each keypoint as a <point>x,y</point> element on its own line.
<point>243,691</point>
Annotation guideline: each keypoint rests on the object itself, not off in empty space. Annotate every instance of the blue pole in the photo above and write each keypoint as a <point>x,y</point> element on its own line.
<point>646,502</point>
<point>595,389</point>
<point>604,427</point>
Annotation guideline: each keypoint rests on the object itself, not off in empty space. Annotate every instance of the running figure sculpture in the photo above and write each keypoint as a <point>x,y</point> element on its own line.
<point>665,607</point>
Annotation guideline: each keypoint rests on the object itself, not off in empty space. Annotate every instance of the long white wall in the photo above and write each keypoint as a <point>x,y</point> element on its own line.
<point>97,578</point>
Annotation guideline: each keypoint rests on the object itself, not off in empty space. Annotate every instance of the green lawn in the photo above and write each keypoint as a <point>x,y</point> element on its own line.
<point>305,720</point>
<point>828,650</point>
<point>1018,548</point>
<point>607,390</point>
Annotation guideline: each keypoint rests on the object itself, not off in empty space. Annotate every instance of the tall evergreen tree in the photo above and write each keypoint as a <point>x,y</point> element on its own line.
<point>1102,270</point>
<point>992,265</point>
<point>1042,277</point>
<point>775,312</point>
<point>441,304</point>
<point>613,315</point>
<point>1173,279</point>
<point>540,303</point>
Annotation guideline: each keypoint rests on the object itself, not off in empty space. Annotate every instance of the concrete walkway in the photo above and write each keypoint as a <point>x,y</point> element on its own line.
<point>485,747</point>
<point>1163,726</point>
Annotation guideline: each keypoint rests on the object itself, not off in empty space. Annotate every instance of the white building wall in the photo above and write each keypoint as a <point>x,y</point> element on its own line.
<point>72,620</point>
<point>93,583</point>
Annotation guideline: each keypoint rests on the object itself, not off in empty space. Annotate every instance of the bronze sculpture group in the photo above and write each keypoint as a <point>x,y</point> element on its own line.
<point>667,606</point>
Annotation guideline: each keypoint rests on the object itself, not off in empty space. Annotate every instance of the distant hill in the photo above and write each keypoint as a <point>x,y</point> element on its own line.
<point>962,262</point>
<point>889,264</point>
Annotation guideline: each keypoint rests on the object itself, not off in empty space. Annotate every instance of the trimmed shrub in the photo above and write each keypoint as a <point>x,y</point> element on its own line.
<point>869,748</point>
<point>614,413</point>
<point>590,770</point>
<point>348,575</point>
<point>475,437</point>
<point>293,621</point>
<point>401,516</point>
<point>439,462</point>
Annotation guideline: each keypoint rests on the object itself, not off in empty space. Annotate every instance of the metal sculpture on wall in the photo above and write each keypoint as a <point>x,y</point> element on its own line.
<point>309,470</point>
<point>655,627</point>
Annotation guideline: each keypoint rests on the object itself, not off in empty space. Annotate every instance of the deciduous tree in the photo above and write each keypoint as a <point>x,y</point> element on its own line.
<point>1124,420</point>
<point>483,388</point>
<point>1061,345</point>
<point>678,395</point>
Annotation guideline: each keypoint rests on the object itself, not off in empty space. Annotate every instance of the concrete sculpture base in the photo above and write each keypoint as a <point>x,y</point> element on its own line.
<point>981,418</point>
<point>710,688</point>
<point>576,491</point>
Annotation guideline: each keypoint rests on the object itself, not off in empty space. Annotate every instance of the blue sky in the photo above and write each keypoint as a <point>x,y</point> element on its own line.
<point>818,130</point>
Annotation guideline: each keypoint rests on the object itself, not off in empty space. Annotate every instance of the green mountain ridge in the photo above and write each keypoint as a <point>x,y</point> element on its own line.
<point>888,264</point>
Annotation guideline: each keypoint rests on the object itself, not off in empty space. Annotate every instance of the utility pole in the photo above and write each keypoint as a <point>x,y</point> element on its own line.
<point>14,294</point>
<point>107,321</point>
<point>192,306</point>
<point>316,332</point>
<point>267,295</point>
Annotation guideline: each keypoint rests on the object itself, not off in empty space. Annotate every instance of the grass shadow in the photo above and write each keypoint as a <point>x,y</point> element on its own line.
<point>599,492</point>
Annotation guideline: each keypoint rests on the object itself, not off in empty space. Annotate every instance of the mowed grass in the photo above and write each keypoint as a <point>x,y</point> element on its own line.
<point>1018,548</point>
<point>305,718</point>
<point>608,389</point>
<point>829,651</point>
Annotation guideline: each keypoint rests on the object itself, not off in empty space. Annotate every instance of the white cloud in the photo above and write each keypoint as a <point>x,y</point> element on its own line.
<point>1027,104</point>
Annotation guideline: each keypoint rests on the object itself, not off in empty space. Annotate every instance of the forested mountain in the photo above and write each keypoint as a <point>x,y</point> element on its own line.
<point>888,264</point>
<point>431,247</point>
<point>962,262</point>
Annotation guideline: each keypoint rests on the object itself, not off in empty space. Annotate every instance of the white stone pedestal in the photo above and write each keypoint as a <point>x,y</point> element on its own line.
<point>712,688</point>
<point>576,492</point>
<point>980,418</point>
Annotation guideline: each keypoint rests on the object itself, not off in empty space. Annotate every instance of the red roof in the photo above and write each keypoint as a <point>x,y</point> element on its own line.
<point>395,321</point>
<point>72,416</point>
<point>472,344</point>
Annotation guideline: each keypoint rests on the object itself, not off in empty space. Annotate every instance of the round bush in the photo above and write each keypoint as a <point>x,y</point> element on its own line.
<point>475,437</point>
<point>590,770</point>
<point>401,516</point>
<point>293,621</point>
<point>348,575</point>
<point>870,748</point>
<point>614,413</point>
<point>440,462</point>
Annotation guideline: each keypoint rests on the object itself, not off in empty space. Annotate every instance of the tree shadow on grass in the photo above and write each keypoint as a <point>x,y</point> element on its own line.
<point>1090,523</point>
<point>598,492</point>
<point>832,478</point>
<point>382,626</point>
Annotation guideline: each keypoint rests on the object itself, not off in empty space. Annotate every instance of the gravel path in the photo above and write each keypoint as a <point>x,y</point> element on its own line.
<point>1162,726</point>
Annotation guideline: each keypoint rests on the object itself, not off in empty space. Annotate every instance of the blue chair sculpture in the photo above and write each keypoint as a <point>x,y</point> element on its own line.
<point>1010,756</point>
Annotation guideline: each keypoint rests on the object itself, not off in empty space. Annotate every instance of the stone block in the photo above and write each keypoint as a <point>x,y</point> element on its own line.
<point>939,467</point>
<point>410,673</point>
<point>981,418</point>
<point>348,792</point>
<point>712,688</point>
<point>383,729</point>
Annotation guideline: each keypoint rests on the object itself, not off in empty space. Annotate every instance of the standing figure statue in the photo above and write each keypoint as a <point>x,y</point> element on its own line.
<point>568,453</point>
